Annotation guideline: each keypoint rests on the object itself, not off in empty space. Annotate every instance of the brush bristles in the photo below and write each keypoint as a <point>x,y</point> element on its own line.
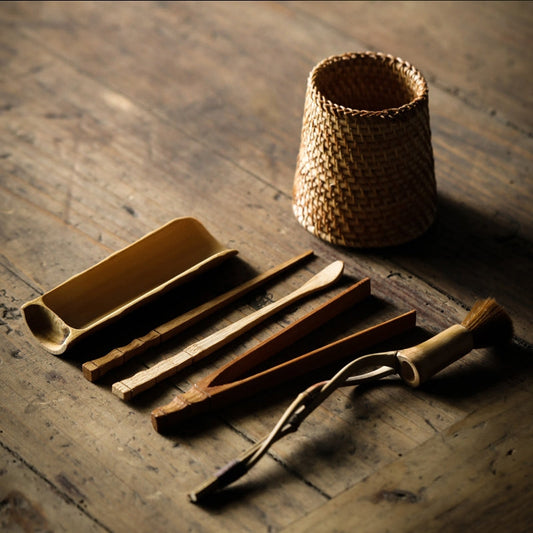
<point>489,323</point>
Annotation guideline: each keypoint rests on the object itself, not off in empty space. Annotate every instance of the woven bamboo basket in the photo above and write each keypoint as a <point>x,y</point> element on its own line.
<point>365,171</point>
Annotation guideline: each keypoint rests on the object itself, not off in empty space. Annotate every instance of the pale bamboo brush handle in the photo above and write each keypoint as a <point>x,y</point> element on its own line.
<point>419,363</point>
<point>93,370</point>
<point>486,324</point>
<point>130,387</point>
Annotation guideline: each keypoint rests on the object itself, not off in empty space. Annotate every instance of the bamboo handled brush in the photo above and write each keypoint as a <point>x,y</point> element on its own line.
<point>487,324</point>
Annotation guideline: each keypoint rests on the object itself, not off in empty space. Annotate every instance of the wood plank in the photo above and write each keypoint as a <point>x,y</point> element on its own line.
<point>114,121</point>
<point>480,463</point>
<point>225,204</point>
<point>482,58</point>
<point>28,502</point>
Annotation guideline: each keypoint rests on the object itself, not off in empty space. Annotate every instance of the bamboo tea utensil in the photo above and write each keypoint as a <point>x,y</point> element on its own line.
<point>96,368</point>
<point>217,390</point>
<point>123,281</point>
<point>229,383</point>
<point>130,387</point>
<point>487,324</point>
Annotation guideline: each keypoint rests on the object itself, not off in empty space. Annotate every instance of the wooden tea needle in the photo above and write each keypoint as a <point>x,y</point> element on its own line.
<point>96,368</point>
<point>130,387</point>
<point>487,324</point>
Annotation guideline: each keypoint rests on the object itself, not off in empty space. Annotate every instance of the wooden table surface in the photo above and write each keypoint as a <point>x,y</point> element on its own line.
<point>118,117</point>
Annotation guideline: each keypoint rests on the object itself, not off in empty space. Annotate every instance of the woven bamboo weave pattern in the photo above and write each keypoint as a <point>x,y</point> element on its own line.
<point>365,171</point>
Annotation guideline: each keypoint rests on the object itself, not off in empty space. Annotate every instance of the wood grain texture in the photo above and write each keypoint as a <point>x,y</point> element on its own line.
<point>118,117</point>
<point>141,381</point>
<point>469,494</point>
<point>458,59</point>
<point>31,502</point>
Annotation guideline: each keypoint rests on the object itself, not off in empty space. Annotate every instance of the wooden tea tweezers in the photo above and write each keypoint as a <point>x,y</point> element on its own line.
<point>236,380</point>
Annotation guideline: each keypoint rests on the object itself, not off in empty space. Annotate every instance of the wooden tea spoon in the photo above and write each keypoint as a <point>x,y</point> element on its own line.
<point>130,387</point>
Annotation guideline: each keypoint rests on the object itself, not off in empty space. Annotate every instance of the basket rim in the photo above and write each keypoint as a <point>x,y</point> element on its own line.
<point>391,112</point>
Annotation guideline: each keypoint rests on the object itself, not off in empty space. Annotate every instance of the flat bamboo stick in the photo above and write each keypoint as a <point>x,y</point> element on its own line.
<point>96,368</point>
<point>130,387</point>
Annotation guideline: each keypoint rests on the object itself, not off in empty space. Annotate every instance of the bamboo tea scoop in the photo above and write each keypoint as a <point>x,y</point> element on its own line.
<point>487,324</point>
<point>96,368</point>
<point>130,387</point>
<point>127,279</point>
<point>234,381</point>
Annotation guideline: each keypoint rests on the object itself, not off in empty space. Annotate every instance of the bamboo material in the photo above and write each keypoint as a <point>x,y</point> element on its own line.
<point>130,387</point>
<point>217,390</point>
<point>123,281</point>
<point>93,370</point>
<point>230,379</point>
<point>419,363</point>
<point>486,324</point>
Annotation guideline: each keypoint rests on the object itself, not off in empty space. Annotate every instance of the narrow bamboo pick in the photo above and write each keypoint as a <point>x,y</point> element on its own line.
<point>130,387</point>
<point>96,368</point>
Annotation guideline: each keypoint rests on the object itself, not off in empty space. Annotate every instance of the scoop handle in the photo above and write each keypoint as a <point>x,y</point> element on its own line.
<point>421,362</point>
